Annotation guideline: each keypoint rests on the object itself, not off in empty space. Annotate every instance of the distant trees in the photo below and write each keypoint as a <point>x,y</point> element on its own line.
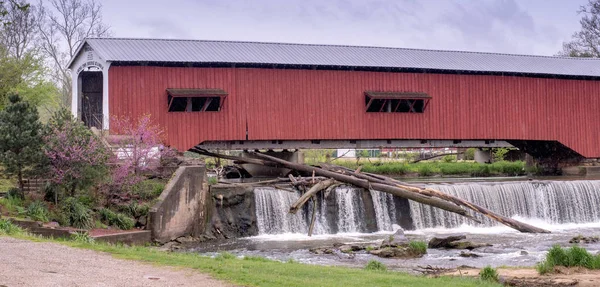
<point>37,40</point>
<point>586,42</point>
<point>20,139</point>
<point>62,29</point>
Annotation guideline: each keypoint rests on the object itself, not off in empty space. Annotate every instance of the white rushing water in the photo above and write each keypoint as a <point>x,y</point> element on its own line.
<point>344,210</point>
<point>340,211</point>
<point>548,202</point>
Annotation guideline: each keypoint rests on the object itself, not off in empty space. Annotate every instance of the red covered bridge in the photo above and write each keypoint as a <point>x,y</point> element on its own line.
<point>244,95</point>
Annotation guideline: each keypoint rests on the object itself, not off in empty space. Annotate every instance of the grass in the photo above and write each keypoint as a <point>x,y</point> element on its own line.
<point>375,265</point>
<point>439,167</point>
<point>255,271</point>
<point>488,274</point>
<point>418,247</point>
<point>574,256</point>
<point>5,185</point>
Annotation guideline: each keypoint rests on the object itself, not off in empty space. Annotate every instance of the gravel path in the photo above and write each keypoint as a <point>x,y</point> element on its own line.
<point>26,263</point>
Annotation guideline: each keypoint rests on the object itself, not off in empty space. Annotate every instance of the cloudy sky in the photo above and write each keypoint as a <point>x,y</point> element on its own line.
<point>504,26</point>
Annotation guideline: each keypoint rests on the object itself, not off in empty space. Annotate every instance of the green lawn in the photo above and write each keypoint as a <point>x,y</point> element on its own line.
<point>256,271</point>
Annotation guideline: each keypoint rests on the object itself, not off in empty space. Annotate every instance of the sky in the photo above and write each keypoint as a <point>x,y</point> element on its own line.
<point>537,27</point>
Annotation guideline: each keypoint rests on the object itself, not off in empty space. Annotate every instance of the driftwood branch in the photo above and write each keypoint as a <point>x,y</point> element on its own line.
<point>307,195</point>
<point>520,226</point>
<point>437,155</point>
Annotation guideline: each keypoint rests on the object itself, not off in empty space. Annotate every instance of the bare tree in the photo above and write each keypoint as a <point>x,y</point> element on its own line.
<point>66,24</point>
<point>19,32</point>
<point>585,43</point>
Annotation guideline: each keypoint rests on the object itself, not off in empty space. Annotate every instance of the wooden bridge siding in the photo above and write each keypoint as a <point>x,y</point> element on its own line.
<point>316,104</point>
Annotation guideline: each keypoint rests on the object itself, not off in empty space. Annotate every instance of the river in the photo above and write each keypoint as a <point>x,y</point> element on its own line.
<point>566,207</point>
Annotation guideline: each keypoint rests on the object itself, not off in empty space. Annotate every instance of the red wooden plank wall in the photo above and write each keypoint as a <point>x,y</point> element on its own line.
<point>312,104</point>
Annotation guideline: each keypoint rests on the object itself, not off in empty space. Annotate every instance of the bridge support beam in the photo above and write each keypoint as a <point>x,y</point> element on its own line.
<point>266,171</point>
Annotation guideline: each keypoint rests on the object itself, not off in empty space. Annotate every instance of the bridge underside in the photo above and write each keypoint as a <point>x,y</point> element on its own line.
<point>350,144</point>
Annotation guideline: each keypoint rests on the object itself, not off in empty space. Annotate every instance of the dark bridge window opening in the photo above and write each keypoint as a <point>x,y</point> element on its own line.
<point>396,102</point>
<point>195,100</point>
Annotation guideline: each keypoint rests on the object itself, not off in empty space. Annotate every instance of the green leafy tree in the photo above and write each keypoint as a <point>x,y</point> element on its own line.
<point>20,138</point>
<point>586,42</point>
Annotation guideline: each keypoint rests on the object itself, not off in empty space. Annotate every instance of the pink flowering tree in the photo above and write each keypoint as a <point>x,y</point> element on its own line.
<point>77,159</point>
<point>139,151</point>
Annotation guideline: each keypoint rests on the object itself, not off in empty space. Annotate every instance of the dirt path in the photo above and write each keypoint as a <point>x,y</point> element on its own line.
<point>530,277</point>
<point>25,263</point>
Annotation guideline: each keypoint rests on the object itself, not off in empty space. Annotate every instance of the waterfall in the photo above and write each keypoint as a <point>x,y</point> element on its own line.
<point>554,202</point>
<point>272,212</point>
<point>340,211</point>
<point>349,209</point>
<point>385,210</point>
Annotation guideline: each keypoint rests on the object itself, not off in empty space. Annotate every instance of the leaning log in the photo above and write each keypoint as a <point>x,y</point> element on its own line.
<point>520,226</point>
<point>435,202</point>
<point>307,195</point>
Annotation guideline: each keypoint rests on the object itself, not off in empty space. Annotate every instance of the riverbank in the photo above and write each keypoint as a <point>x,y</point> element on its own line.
<point>439,168</point>
<point>248,271</point>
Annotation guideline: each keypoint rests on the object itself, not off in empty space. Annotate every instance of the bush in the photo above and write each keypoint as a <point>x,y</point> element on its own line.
<point>148,189</point>
<point>76,214</point>
<point>425,170</point>
<point>118,220</point>
<point>469,154</point>
<point>375,265</point>
<point>8,228</point>
<point>482,170</point>
<point>488,274</point>
<point>37,211</point>
<point>571,257</point>
<point>418,247</point>
<point>51,192</point>
<point>15,192</point>
<point>449,158</point>
<point>12,204</point>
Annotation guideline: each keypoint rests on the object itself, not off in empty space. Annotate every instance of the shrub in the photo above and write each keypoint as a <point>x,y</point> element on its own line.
<point>15,192</point>
<point>418,247</point>
<point>148,189</point>
<point>375,265</point>
<point>571,257</point>
<point>449,158</point>
<point>212,180</point>
<point>425,170</point>
<point>37,211</point>
<point>51,192</point>
<point>76,214</point>
<point>82,237</point>
<point>488,274</point>
<point>12,204</point>
<point>469,154</point>
<point>118,220</point>
<point>8,228</point>
<point>482,170</point>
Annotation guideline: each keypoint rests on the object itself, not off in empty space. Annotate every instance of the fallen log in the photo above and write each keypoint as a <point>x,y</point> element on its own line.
<point>520,226</point>
<point>436,202</point>
<point>307,195</point>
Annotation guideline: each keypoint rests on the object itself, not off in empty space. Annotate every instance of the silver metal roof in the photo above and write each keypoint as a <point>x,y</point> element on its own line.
<point>200,51</point>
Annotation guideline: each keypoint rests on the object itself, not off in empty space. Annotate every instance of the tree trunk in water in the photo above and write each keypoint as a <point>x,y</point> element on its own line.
<point>312,191</point>
<point>520,226</point>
